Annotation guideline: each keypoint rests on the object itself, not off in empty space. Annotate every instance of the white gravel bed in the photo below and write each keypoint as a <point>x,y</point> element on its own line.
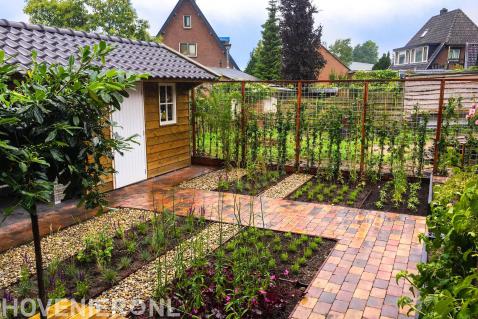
<point>67,242</point>
<point>209,181</point>
<point>285,187</point>
<point>141,284</point>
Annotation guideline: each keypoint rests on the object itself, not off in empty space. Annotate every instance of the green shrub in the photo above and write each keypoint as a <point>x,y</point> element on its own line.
<point>447,283</point>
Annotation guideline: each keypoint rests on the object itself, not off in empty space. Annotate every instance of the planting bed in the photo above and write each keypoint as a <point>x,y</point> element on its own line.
<point>107,260</point>
<point>409,198</point>
<point>251,184</point>
<point>257,274</point>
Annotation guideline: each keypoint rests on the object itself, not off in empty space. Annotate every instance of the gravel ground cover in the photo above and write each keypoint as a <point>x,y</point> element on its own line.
<point>106,261</point>
<point>285,187</point>
<point>141,284</point>
<point>66,243</point>
<point>210,181</point>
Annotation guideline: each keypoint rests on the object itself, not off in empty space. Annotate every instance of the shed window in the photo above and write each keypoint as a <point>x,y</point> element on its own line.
<point>187,22</point>
<point>188,49</point>
<point>167,104</point>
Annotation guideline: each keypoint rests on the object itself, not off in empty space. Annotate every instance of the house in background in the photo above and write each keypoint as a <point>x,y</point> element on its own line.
<point>157,111</point>
<point>334,67</point>
<point>188,31</point>
<point>447,41</point>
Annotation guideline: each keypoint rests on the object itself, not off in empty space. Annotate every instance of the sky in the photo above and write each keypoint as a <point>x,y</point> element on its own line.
<point>390,23</point>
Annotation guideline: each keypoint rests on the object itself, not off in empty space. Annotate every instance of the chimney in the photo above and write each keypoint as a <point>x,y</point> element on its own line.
<point>443,11</point>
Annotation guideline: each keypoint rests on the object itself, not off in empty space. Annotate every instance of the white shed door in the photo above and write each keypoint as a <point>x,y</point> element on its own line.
<point>131,166</point>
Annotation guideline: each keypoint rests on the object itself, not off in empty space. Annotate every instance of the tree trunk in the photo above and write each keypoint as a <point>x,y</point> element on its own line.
<point>38,258</point>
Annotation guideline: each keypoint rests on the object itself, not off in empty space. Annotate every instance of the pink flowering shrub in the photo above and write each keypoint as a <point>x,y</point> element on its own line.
<point>472,115</point>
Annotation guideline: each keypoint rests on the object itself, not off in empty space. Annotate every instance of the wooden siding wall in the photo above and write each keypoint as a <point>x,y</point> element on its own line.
<point>167,147</point>
<point>427,94</point>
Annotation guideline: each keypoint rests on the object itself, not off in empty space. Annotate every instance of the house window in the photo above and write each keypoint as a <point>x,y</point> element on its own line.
<point>187,22</point>
<point>454,54</point>
<point>188,49</point>
<point>420,55</point>
<point>167,104</point>
<point>402,56</point>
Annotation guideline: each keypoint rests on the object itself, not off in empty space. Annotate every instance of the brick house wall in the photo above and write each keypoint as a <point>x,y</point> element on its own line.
<point>332,66</point>
<point>472,56</point>
<point>209,52</point>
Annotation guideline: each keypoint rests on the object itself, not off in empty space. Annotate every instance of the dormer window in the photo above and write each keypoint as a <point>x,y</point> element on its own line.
<point>187,22</point>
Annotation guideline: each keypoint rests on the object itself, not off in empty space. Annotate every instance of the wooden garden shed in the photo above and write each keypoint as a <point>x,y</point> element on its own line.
<point>157,110</point>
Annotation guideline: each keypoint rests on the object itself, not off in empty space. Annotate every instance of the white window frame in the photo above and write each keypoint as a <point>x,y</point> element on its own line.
<point>190,22</point>
<point>424,51</point>
<point>188,44</point>
<point>449,54</point>
<point>399,53</point>
<point>174,118</point>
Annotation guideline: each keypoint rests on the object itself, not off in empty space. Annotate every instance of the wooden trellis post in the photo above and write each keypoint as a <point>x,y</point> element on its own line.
<point>441,103</point>
<point>297,126</point>
<point>243,124</point>
<point>364,120</point>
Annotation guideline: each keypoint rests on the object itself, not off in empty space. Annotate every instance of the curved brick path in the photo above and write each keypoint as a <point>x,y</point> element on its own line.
<point>356,281</point>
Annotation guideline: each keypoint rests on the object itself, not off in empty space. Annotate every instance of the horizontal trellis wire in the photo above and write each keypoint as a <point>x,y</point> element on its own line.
<point>358,126</point>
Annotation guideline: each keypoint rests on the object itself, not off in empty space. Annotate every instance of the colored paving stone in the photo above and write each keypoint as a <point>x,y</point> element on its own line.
<point>358,278</point>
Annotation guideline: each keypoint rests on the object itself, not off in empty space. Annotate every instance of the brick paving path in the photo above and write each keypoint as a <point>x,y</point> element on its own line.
<point>358,278</point>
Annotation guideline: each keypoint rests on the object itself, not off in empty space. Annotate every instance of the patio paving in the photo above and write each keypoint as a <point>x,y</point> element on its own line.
<point>358,278</point>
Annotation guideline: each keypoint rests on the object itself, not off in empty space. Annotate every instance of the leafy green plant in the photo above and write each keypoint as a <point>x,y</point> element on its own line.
<point>58,292</point>
<point>308,252</point>
<point>284,257</point>
<point>124,262</point>
<point>295,268</point>
<point>109,275</point>
<point>313,245</point>
<point>70,270</point>
<point>131,246</point>
<point>446,284</point>
<point>82,288</point>
<point>24,286</point>
<point>288,235</point>
<point>99,249</point>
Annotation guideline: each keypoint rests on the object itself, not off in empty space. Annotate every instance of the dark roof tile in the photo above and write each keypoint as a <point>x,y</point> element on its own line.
<point>453,27</point>
<point>54,45</point>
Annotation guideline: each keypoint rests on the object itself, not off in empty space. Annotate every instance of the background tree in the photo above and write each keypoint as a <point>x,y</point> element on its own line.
<point>112,17</point>
<point>384,63</point>
<point>300,41</point>
<point>366,52</point>
<point>342,48</point>
<point>270,54</point>
<point>252,65</point>
<point>52,127</point>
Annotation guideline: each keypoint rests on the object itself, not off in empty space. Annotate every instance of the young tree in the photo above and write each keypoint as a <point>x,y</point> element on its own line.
<point>384,63</point>
<point>112,17</point>
<point>52,127</point>
<point>342,48</point>
<point>270,54</point>
<point>366,52</point>
<point>301,59</point>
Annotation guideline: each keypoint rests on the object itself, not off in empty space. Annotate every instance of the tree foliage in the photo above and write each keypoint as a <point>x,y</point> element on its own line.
<point>342,48</point>
<point>112,17</point>
<point>366,52</point>
<point>270,55</point>
<point>384,63</point>
<point>53,124</point>
<point>252,65</point>
<point>300,41</point>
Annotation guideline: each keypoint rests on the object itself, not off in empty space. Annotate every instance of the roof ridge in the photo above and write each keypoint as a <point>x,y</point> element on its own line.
<point>68,31</point>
